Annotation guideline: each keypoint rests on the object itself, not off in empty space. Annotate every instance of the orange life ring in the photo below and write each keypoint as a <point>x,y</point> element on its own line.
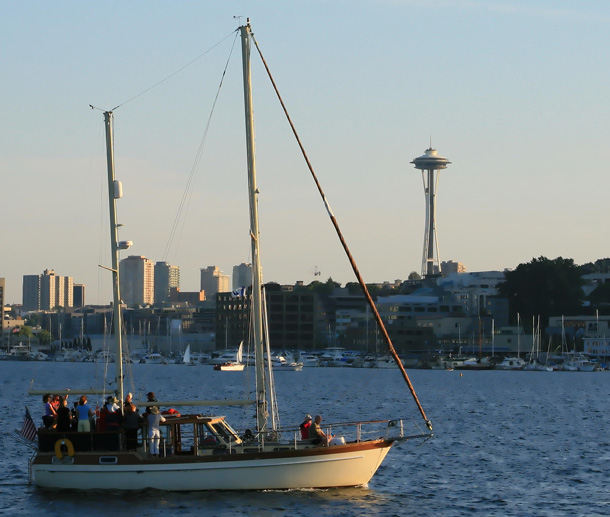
<point>59,453</point>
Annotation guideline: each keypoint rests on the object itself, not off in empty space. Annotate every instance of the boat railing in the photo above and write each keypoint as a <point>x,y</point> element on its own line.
<point>365,430</point>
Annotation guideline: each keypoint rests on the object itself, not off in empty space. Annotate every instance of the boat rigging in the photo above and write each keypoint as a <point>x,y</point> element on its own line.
<point>219,458</point>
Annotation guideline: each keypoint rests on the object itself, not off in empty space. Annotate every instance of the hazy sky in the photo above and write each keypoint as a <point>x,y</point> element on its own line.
<point>514,93</point>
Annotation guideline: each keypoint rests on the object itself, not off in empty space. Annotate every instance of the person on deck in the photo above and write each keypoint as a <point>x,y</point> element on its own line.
<point>84,412</point>
<point>64,416</point>
<point>132,424</point>
<point>101,417</point>
<point>114,417</point>
<point>112,403</point>
<point>304,427</point>
<point>50,415</point>
<point>318,437</point>
<point>55,402</point>
<point>154,419</point>
<point>128,399</point>
<point>151,398</point>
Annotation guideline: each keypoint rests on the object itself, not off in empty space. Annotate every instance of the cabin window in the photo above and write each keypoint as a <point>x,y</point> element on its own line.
<point>220,431</point>
<point>224,431</point>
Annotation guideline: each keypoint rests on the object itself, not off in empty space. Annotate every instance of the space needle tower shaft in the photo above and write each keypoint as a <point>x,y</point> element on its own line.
<point>430,164</point>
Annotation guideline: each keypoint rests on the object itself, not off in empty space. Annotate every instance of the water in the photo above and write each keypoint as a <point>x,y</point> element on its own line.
<point>507,443</point>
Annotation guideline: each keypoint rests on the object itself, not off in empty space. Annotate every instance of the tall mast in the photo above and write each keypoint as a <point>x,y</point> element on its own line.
<point>114,192</point>
<point>257,280</point>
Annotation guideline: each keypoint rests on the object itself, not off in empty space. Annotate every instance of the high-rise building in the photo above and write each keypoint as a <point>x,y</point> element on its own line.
<point>242,275</point>
<point>47,291</point>
<point>213,281</point>
<point>64,291</point>
<point>167,277</point>
<point>137,278</point>
<point>78,296</point>
<point>31,292</point>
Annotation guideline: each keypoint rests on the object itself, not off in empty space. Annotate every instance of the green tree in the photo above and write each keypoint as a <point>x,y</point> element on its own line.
<point>25,331</point>
<point>599,266</point>
<point>324,289</point>
<point>353,288</point>
<point>45,337</point>
<point>544,288</point>
<point>33,320</point>
<point>374,290</point>
<point>330,286</point>
<point>414,275</point>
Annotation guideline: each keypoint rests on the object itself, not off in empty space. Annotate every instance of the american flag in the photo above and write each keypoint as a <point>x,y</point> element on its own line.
<point>28,429</point>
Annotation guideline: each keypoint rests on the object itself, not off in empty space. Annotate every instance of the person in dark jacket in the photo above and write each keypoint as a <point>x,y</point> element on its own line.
<point>132,424</point>
<point>64,416</point>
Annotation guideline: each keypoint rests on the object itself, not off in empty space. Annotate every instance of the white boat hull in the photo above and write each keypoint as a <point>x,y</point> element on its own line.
<point>385,363</point>
<point>230,367</point>
<point>288,368</point>
<point>341,466</point>
<point>511,363</point>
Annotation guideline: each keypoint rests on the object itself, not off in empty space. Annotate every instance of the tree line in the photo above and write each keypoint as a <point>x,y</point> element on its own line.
<point>553,287</point>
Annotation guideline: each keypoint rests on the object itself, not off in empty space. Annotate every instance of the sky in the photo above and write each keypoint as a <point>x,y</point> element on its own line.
<point>513,93</point>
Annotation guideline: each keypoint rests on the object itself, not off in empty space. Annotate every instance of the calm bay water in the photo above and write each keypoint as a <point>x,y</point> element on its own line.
<point>506,443</point>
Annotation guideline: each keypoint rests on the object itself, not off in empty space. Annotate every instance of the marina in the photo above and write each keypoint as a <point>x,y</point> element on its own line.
<point>331,358</point>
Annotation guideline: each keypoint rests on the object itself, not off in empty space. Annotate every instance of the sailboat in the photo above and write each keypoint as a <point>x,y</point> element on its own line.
<point>233,366</point>
<point>219,457</point>
<point>187,358</point>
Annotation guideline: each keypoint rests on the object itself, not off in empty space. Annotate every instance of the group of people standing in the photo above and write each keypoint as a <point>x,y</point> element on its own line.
<point>311,430</point>
<point>58,416</point>
<point>83,418</point>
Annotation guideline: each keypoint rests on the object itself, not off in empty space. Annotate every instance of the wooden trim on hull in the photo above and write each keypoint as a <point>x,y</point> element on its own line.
<point>323,467</point>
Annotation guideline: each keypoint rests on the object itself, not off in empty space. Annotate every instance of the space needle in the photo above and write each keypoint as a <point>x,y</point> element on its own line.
<point>429,164</point>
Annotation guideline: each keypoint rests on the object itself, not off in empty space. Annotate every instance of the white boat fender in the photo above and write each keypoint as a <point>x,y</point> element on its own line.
<point>337,440</point>
<point>69,448</point>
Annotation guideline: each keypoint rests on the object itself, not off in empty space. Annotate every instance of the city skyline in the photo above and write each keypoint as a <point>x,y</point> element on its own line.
<point>511,93</point>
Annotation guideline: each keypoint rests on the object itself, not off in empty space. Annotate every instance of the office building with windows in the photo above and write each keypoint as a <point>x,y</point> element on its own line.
<point>137,278</point>
<point>167,277</point>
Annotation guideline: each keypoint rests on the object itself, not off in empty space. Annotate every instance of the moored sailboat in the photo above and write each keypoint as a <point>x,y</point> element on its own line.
<point>219,457</point>
<point>233,366</point>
